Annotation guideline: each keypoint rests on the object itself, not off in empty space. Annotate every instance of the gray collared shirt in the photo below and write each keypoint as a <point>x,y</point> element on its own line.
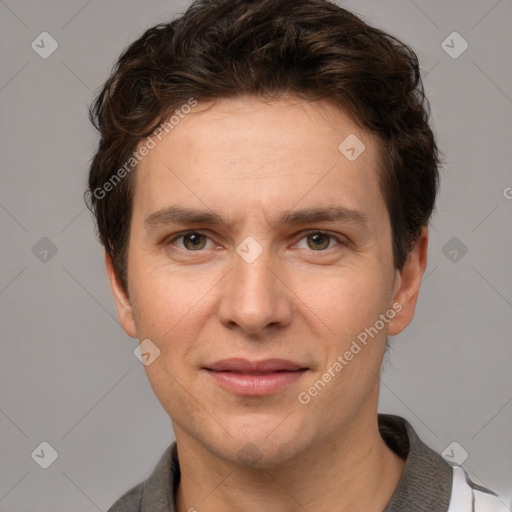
<point>425,485</point>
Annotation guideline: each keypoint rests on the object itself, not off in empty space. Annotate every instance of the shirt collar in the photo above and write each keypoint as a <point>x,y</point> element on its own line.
<point>426,483</point>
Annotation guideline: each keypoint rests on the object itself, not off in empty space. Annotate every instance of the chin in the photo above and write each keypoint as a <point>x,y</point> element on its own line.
<point>262,444</point>
<point>259,454</point>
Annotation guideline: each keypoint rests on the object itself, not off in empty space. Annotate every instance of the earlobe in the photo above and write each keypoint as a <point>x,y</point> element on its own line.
<point>407,285</point>
<point>121,300</point>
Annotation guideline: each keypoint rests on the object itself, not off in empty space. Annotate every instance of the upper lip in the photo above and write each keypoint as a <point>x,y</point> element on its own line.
<point>246,366</point>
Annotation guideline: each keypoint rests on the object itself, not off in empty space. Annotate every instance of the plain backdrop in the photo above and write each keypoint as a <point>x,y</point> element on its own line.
<point>68,375</point>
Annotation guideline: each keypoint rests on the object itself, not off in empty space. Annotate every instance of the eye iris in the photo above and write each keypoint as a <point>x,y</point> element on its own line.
<point>195,239</point>
<point>317,237</point>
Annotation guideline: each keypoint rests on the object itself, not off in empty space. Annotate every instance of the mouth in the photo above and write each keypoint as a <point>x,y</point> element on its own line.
<point>255,378</point>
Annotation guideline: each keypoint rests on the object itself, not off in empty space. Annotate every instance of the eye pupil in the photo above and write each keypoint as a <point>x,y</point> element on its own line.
<point>317,240</point>
<point>195,239</point>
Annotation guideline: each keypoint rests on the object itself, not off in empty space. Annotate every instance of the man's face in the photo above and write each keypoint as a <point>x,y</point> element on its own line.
<point>299,289</point>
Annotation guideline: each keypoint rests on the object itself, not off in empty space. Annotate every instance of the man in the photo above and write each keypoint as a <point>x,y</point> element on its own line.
<point>263,187</point>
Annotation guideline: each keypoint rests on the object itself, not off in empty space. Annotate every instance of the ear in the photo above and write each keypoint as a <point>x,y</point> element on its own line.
<point>123,305</point>
<point>407,285</point>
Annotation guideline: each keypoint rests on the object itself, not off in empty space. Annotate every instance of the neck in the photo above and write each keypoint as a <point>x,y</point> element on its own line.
<point>355,471</point>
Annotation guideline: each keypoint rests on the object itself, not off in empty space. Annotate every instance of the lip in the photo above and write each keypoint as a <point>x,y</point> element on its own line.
<point>255,378</point>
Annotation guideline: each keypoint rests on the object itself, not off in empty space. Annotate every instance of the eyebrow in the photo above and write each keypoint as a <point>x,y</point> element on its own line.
<point>183,215</point>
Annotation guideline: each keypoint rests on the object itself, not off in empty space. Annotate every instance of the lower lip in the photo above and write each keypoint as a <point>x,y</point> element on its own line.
<point>255,385</point>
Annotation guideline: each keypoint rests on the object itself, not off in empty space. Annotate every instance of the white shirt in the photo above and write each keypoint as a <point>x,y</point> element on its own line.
<point>468,497</point>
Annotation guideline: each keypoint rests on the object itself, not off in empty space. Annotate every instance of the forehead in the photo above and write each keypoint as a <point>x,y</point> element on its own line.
<point>246,156</point>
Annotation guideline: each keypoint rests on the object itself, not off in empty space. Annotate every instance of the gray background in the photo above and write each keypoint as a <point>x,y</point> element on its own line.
<point>68,373</point>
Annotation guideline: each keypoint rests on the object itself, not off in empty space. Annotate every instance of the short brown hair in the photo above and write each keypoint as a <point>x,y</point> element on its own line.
<point>311,49</point>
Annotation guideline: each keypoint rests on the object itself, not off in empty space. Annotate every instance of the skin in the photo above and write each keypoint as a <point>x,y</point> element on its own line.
<point>249,161</point>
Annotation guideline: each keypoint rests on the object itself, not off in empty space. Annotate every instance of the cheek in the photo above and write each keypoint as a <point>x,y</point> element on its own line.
<point>348,306</point>
<point>172,308</point>
<point>347,300</point>
<point>164,296</point>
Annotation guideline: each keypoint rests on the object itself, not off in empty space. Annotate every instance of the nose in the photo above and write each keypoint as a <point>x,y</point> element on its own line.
<point>255,297</point>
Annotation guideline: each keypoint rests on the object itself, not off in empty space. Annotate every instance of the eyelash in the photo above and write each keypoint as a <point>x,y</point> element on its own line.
<point>304,235</point>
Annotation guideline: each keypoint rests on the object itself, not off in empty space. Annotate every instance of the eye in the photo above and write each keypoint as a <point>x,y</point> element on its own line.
<point>192,241</point>
<point>319,241</point>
